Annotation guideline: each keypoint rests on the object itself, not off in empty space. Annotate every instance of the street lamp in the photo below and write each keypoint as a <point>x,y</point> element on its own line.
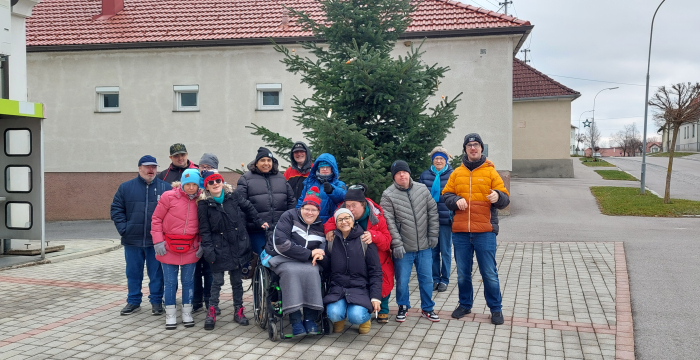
<point>646,107</point>
<point>593,120</point>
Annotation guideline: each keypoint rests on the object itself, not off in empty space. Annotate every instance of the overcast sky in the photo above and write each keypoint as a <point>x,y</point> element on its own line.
<point>608,40</point>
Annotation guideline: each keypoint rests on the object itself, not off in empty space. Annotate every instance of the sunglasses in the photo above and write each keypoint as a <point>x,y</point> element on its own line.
<point>212,182</point>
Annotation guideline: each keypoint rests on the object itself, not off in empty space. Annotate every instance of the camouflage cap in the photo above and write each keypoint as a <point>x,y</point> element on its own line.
<point>178,149</point>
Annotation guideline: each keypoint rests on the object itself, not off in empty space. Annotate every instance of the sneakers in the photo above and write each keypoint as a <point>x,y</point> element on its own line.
<point>171,317</point>
<point>187,319</point>
<point>218,311</point>
<point>435,286</point>
<point>339,326</point>
<point>497,318</point>
<point>310,327</point>
<point>298,329</point>
<point>130,309</point>
<point>157,309</point>
<point>460,311</point>
<point>210,321</point>
<point>401,315</point>
<point>442,287</point>
<point>430,315</point>
<point>239,317</point>
<point>383,318</point>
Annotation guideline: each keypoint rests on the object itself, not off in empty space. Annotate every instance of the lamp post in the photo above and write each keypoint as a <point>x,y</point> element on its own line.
<point>579,128</point>
<point>593,120</point>
<point>646,107</point>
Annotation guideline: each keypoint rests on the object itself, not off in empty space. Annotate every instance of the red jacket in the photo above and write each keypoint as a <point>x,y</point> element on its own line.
<point>376,225</point>
<point>176,214</point>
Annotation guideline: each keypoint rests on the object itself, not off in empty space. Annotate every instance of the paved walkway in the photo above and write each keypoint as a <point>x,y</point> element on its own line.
<point>561,301</point>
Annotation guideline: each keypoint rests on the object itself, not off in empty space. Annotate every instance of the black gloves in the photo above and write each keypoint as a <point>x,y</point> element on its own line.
<point>328,188</point>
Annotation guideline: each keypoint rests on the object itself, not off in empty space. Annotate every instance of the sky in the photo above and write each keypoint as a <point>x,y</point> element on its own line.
<point>609,41</point>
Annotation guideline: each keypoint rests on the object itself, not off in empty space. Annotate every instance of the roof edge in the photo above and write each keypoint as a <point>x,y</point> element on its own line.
<point>544,98</point>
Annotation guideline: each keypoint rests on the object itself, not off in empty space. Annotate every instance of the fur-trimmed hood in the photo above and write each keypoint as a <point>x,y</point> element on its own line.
<point>204,195</point>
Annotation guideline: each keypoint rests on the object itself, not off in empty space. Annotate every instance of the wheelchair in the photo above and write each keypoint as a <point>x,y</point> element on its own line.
<point>267,300</point>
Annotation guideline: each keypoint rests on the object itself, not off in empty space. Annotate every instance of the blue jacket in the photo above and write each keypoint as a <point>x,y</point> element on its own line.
<point>132,209</point>
<point>427,178</point>
<point>329,202</point>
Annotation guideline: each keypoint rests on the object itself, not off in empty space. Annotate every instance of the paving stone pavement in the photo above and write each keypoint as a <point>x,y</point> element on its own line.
<point>561,301</point>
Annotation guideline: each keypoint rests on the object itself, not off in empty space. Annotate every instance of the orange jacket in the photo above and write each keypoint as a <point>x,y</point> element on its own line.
<point>481,215</point>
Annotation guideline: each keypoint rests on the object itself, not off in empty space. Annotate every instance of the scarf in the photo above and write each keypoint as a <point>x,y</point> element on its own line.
<point>219,199</point>
<point>436,189</point>
<point>471,165</point>
<point>362,221</point>
<point>323,178</point>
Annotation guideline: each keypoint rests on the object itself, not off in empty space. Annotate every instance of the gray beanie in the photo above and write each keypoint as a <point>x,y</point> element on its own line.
<point>209,159</point>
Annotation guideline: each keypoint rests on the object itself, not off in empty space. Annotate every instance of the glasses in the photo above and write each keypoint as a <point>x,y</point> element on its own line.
<point>310,209</point>
<point>346,220</point>
<point>473,146</point>
<point>205,167</point>
<point>212,182</point>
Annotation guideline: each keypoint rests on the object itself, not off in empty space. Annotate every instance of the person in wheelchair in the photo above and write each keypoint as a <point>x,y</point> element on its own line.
<point>296,244</point>
<point>355,289</point>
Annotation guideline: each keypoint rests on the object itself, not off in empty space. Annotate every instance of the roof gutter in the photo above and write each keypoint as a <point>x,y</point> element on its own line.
<point>515,30</point>
<point>545,98</point>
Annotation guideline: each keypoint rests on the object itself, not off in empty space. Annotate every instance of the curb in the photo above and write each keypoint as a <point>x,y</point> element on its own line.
<point>67,257</point>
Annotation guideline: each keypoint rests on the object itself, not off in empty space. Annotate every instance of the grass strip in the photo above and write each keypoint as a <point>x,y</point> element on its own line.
<point>597,163</point>
<point>625,201</point>
<point>676,154</point>
<point>615,175</point>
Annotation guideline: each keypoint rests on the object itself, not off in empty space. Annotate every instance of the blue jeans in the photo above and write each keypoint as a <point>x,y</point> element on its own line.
<point>187,278</point>
<point>340,310</point>
<point>484,245</point>
<point>202,289</point>
<point>257,241</point>
<point>135,258</point>
<point>444,250</point>
<point>424,264</point>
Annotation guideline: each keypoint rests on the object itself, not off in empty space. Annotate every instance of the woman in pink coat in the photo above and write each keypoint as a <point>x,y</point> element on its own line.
<point>175,231</point>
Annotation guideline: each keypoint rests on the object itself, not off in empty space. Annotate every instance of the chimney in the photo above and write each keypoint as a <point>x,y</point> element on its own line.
<point>109,9</point>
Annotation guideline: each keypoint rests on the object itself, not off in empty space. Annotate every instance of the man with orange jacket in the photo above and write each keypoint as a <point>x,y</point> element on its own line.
<point>475,192</point>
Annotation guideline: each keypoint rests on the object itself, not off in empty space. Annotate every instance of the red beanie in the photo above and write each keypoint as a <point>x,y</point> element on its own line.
<point>213,176</point>
<point>312,198</point>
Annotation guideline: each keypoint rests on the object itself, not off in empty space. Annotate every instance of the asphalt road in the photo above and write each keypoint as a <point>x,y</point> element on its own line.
<point>663,255</point>
<point>685,179</point>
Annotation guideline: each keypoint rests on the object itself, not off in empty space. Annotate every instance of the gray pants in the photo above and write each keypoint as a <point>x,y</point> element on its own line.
<point>236,287</point>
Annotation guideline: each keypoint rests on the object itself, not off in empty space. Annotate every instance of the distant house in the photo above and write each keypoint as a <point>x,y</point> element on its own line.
<point>606,152</point>
<point>654,147</point>
<point>688,139</point>
<point>541,112</point>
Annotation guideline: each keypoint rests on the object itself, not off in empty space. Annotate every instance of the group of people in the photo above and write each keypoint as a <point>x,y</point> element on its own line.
<point>187,221</point>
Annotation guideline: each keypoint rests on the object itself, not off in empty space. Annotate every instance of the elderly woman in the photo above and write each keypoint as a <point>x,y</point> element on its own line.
<point>370,217</point>
<point>435,179</point>
<point>268,191</point>
<point>175,232</point>
<point>296,245</point>
<point>324,175</point>
<point>355,273</point>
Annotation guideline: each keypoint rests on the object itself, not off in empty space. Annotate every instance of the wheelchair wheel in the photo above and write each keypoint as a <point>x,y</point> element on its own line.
<point>327,326</point>
<point>273,332</point>
<point>261,283</point>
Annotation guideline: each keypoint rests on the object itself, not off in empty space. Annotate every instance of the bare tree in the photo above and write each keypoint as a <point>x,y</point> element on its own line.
<point>580,139</point>
<point>620,140</point>
<point>675,106</point>
<point>593,138</point>
<point>634,139</point>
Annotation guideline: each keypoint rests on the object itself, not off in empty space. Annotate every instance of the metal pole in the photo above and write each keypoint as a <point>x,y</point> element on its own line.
<point>593,120</point>
<point>579,128</point>
<point>646,108</point>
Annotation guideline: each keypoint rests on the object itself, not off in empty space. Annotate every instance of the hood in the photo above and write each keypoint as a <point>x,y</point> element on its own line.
<point>275,168</point>
<point>329,159</point>
<point>205,195</point>
<point>307,164</point>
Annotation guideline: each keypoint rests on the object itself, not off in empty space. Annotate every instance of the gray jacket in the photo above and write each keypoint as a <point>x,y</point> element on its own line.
<point>412,216</point>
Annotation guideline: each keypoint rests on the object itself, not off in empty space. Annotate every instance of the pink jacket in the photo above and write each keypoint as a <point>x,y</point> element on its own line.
<point>176,214</point>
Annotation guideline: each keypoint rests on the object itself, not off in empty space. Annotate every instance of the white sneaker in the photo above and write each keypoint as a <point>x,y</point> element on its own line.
<point>170,317</point>
<point>187,319</point>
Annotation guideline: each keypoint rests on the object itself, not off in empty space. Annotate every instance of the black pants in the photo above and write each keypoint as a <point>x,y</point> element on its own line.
<point>236,287</point>
<point>202,289</point>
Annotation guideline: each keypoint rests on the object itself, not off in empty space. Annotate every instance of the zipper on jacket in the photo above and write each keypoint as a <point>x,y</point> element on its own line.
<point>272,202</point>
<point>415,221</point>
<point>145,218</point>
<point>469,204</point>
<point>187,217</point>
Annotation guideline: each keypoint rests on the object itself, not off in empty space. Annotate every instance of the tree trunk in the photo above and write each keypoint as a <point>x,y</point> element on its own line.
<point>671,151</point>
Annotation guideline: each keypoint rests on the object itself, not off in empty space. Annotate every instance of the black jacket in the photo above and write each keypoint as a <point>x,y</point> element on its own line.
<point>132,209</point>
<point>296,174</point>
<point>222,229</point>
<point>268,192</point>
<point>174,173</point>
<point>294,239</point>
<point>427,178</point>
<point>355,276</point>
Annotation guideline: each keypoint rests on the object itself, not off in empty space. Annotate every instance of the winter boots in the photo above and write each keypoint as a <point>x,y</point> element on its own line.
<point>339,326</point>
<point>239,317</point>
<point>364,327</point>
<point>210,321</point>
<point>187,319</point>
<point>171,317</point>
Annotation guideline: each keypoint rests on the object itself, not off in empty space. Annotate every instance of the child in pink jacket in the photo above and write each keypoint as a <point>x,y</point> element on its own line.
<point>175,231</point>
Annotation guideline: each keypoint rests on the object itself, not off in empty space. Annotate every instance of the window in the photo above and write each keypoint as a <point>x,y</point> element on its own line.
<point>186,97</point>
<point>18,215</point>
<point>18,142</point>
<point>107,99</point>
<point>269,96</point>
<point>693,130</point>
<point>18,179</point>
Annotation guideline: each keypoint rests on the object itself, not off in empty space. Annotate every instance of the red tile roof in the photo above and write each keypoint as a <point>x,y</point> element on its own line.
<point>530,83</point>
<point>70,22</point>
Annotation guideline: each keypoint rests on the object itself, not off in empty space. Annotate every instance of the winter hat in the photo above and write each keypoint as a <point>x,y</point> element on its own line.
<point>440,151</point>
<point>190,176</point>
<point>209,159</point>
<point>342,211</point>
<point>472,137</point>
<point>211,175</point>
<point>262,153</point>
<point>323,163</point>
<point>312,198</point>
<point>147,160</point>
<point>399,165</point>
<point>356,193</point>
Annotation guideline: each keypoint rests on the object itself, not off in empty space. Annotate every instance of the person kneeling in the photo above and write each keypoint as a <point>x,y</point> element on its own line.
<point>355,289</point>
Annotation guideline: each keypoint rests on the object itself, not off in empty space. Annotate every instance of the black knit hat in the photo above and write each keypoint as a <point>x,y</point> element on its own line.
<point>399,165</point>
<point>356,193</point>
<point>472,137</point>
<point>263,152</point>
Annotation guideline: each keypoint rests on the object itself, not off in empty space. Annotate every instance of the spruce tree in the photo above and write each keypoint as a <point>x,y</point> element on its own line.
<point>363,98</point>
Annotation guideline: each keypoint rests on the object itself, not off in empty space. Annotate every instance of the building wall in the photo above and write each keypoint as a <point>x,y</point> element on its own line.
<point>80,140</point>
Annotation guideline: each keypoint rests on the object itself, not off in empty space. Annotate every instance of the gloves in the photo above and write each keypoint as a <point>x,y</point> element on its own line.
<point>327,187</point>
<point>398,252</point>
<point>200,252</point>
<point>160,248</point>
<point>433,242</point>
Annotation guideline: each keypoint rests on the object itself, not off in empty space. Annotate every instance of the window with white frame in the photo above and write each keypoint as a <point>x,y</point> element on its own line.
<point>186,97</point>
<point>269,96</point>
<point>107,99</point>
